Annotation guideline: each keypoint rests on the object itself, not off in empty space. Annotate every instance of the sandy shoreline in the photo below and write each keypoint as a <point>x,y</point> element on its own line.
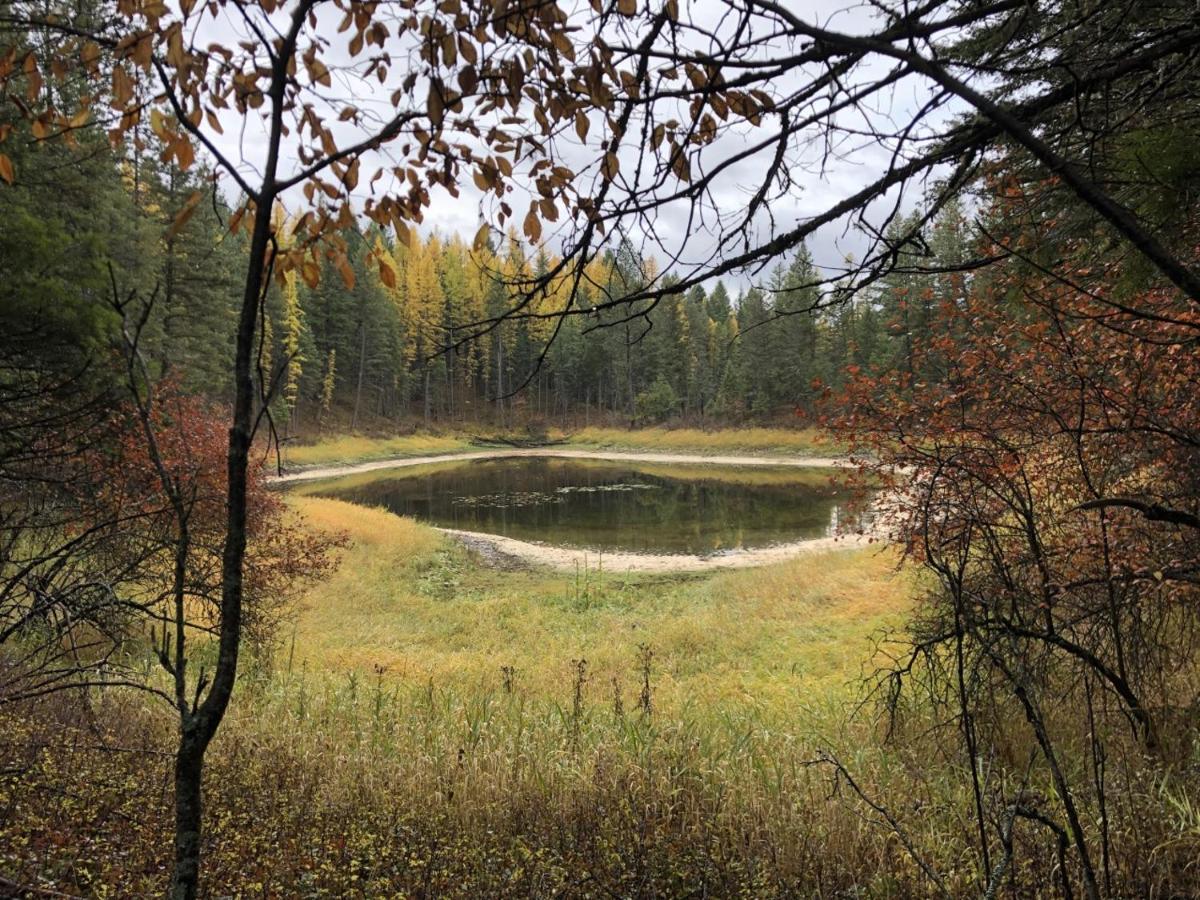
<point>506,551</point>
<point>569,557</point>
<point>813,462</point>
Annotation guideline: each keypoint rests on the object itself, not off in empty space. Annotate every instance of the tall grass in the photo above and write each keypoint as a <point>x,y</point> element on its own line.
<point>433,728</point>
<point>410,602</point>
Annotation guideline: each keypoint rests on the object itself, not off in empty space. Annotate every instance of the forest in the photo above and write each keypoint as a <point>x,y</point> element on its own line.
<point>389,341</point>
<point>788,485</point>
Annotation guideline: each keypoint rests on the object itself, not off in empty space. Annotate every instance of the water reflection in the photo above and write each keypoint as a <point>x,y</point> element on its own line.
<point>608,505</point>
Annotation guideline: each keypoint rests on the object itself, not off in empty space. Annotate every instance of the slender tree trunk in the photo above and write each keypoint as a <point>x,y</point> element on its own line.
<point>500,376</point>
<point>189,764</point>
<point>362,359</point>
<point>450,377</point>
<point>199,727</point>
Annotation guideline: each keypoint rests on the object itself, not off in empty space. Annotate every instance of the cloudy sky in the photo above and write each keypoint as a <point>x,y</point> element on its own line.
<point>818,180</point>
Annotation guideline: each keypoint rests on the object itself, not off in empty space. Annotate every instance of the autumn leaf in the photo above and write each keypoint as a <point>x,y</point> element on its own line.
<point>386,273</point>
<point>6,169</point>
<point>318,72</point>
<point>532,226</point>
<point>311,273</point>
<point>610,167</point>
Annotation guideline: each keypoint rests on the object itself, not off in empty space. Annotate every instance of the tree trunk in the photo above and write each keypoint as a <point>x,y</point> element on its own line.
<point>362,359</point>
<point>189,766</point>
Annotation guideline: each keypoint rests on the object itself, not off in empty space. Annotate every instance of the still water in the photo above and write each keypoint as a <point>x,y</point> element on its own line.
<point>608,506</point>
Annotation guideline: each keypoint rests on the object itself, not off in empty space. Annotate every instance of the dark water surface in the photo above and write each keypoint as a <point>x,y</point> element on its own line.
<point>607,505</point>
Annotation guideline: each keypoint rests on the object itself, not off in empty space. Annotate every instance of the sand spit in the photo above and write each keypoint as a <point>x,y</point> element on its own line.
<point>569,558</point>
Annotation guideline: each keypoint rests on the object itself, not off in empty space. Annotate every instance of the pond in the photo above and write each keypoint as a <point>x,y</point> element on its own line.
<point>608,506</point>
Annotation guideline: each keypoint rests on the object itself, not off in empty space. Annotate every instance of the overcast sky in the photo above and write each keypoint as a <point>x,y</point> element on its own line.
<point>814,190</point>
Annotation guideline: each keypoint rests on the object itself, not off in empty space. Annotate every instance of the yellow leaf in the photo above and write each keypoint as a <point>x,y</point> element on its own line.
<point>481,236</point>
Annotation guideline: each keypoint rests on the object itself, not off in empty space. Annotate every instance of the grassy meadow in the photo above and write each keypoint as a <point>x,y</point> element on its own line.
<point>427,726</point>
<point>412,604</point>
<point>355,448</point>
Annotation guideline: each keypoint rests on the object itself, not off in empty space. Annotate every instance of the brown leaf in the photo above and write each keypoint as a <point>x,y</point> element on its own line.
<point>184,153</point>
<point>318,72</point>
<point>386,273</point>
<point>347,273</point>
<point>6,169</point>
<point>610,167</point>
<point>681,168</point>
<point>311,273</point>
<point>532,227</point>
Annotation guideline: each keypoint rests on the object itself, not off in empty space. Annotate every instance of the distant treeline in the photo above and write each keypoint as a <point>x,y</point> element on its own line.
<point>381,342</point>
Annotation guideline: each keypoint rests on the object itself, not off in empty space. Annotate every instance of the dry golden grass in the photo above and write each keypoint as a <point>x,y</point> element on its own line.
<point>354,448</point>
<point>410,602</point>
<point>386,755</point>
<point>774,441</point>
